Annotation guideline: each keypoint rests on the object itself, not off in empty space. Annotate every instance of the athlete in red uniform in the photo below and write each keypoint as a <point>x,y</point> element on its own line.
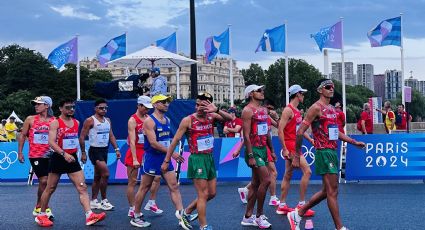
<point>323,119</point>
<point>199,130</point>
<point>63,139</point>
<point>290,121</point>
<point>36,128</point>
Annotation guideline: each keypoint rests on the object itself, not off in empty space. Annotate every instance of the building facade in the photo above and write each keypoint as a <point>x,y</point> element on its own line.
<point>379,85</point>
<point>212,78</point>
<point>392,84</point>
<point>365,75</point>
<point>349,73</point>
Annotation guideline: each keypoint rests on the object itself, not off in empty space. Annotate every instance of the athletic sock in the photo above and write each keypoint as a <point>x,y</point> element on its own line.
<point>88,213</point>
<point>151,202</point>
<point>281,204</point>
<point>301,203</point>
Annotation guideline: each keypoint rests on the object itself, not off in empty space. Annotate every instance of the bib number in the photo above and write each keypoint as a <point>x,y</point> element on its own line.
<point>333,132</point>
<point>205,143</point>
<point>102,138</point>
<point>70,143</point>
<point>262,128</point>
<point>166,143</point>
<point>41,138</point>
<point>141,138</point>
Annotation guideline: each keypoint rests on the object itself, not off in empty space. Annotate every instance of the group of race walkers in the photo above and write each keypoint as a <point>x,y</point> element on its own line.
<point>54,143</point>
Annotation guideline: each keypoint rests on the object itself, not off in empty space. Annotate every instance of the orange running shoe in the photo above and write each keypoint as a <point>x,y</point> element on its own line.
<point>43,221</point>
<point>283,210</point>
<point>308,213</point>
<point>94,218</point>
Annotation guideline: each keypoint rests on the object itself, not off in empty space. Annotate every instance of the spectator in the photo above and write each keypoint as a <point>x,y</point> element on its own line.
<point>274,117</point>
<point>3,137</point>
<point>11,129</point>
<point>365,123</point>
<point>340,117</point>
<point>159,82</point>
<point>401,118</point>
<point>233,128</point>
<point>389,122</point>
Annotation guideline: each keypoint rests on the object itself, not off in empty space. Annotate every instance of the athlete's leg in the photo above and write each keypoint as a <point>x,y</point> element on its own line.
<point>252,194</point>
<point>273,174</point>
<point>212,191</point>
<point>201,186</point>
<point>331,183</point>
<point>305,179</point>
<point>42,183</point>
<point>264,179</point>
<point>52,183</point>
<point>284,187</point>
<point>132,181</point>
<point>78,180</point>
<point>170,178</point>
<point>96,183</point>
<point>144,187</point>
<point>155,187</point>
<point>104,176</point>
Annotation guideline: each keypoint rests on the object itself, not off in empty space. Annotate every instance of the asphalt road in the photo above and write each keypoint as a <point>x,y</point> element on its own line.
<point>362,206</point>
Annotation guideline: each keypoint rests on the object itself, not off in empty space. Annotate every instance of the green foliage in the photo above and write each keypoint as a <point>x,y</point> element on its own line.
<point>416,107</point>
<point>26,74</point>
<point>254,75</point>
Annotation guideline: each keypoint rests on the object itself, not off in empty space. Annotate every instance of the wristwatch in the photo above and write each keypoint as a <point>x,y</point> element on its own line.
<point>117,149</point>
<point>62,153</point>
<point>250,155</point>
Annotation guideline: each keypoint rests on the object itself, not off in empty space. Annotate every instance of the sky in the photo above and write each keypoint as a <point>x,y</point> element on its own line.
<point>42,25</point>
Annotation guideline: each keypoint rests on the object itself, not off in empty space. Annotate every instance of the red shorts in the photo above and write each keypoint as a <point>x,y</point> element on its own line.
<point>129,158</point>
<point>290,146</point>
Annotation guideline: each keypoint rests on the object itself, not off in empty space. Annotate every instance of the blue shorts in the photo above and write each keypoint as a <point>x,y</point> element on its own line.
<point>152,164</point>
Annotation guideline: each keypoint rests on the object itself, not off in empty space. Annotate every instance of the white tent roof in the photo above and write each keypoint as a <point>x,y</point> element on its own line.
<point>152,56</point>
<point>13,114</point>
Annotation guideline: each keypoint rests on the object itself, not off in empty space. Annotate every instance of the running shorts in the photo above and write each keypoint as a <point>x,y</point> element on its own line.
<point>201,166</point>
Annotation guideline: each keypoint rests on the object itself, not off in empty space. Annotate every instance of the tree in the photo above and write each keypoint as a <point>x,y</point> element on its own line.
<point>416,107</point>
<point>254,75</point>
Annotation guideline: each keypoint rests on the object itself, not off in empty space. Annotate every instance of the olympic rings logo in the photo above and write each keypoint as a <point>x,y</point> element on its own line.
<point>308,154</point>
<point>7,159</point>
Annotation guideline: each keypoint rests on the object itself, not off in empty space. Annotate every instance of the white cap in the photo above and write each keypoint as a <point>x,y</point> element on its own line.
<point>145,101</point>
<point>295,89</point>
<point>251,88</point>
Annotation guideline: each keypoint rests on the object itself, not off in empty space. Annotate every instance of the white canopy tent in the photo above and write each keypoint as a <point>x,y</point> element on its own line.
<point>17,119</point>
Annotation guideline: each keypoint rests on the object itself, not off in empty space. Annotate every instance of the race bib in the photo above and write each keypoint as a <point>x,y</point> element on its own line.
<point>166,143</point>
<point>205,143</point>
<point>262,128</point>
<point>41,138</point>
<point>141,138</point>
<point>333,132</point>
<point>102,138</point>
<point>70,142</point>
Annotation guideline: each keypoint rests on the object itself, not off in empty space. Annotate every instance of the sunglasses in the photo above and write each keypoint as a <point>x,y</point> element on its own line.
<point>164,102</point>
<point>270,108</point>
<point>70,107</point>
<point>102,107</point>
<point>259,90</point>
<point>328,87</point>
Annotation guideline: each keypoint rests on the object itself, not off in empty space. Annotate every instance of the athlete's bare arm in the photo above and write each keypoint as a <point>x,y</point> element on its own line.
<point>113,140</point>
<point>88,124</point>
<point>287,115</point>
<point>24,134</point>
<point>246,127</point>
<point>131,128</point>
<point>183,127</point>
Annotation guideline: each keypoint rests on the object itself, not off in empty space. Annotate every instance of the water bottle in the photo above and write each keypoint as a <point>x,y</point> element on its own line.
<point>309,225</point>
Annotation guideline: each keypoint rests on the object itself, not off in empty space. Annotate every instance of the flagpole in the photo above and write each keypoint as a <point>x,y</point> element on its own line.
<point>127,69</point>
<point>344,100</point>
<point>177,69</point>
<point>232,99</point>
<point>286,64</point>
<point>78,74</point>
<point>402,59</point>
<point>326,63</point>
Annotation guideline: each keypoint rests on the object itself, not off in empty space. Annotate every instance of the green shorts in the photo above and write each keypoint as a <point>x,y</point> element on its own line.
<point>260,156</point>
<point>201,166</point>
<point>326,162</point>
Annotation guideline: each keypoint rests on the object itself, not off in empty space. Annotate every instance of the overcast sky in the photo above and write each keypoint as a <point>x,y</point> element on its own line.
<point>44,24</point>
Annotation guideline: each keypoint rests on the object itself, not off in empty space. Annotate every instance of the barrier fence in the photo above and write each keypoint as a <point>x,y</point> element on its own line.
<point>397,156</point>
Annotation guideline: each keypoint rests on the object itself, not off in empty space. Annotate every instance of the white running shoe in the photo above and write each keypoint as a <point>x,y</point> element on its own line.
<point>94,204</point>
<point>262,222</point>
<point>294,219</point>
<point>139,222</point>
<point>105,205</point>
<point>274,201</point>
<point>249,221</point>
<point>154,208</point>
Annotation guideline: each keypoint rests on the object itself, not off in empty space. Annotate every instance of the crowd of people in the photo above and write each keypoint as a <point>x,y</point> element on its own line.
<point>54,143</point>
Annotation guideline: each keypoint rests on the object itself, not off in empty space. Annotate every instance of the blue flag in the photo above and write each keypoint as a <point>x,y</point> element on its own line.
<point>115,48</point>
<point>273,40</point>
<point>65,53</point>
<point>214,44</point>
<point>169,43</point>
<point>387,33</point>
<point>329,37</point>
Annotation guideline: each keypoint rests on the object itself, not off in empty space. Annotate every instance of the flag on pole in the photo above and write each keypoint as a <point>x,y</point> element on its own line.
<point>329,37</point>
<point>65,53</point>
<point>214,44</point>
<point>273,40</point>
<point>115,48</point>
<point>387,32</point>
<point>169,43</point>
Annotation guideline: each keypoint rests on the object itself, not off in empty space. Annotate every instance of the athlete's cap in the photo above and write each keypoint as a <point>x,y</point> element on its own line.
<point>155,70</point>
<point>294,89</point>
<point>160,97</point>
<point>251,88</point>
<point>145,101</point>
<point>205,96</point>
<point>44,100</point>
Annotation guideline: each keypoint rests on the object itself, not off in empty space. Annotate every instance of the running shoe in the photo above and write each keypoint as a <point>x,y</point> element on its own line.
<point>36,211</point>
<point>294,219</point>
<point>50,214</point>
<point>343,228</point>
<point>131,213</point>
<point>154,208</point>
<point>94,204</point>
<point>95,217</point>
<point>262,222</point>
<point>283,210</point>
<point>274,201</point>
<point>105,205</point>
<point>191,217</point>
<point>207,227</point>
<point>183,221</point>
<point>139,222</point>
<point>308,213</point>
<point>250,221</point>
<point>43,221</point>
<point>243,194</point>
